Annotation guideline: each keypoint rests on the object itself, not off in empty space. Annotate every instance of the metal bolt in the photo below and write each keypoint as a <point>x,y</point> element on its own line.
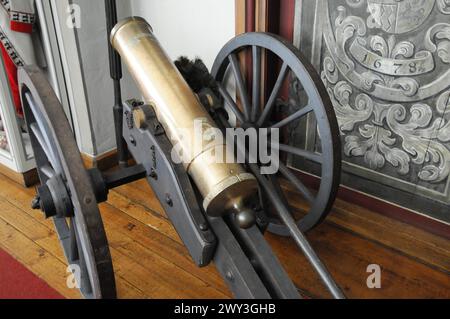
<point>203,226</point>
<point>132,140</point>
<point>169,200</point>
<point>153,174</point>
<point>229,276</point>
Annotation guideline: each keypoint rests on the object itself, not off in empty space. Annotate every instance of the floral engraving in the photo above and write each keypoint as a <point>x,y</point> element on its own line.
<point>389,109</point>
<point>437,39</point>
<point>443,6</point>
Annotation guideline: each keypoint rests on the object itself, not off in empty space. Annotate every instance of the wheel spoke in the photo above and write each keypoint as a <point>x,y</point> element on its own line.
<point>62,230</point>
<point>256,91</point>
<point>48,171</point>
<point>43,140</point>
<point>297,183</point>
<point>85,284</point>
<point>293,66</point>
<point>297,115</point>
<point>73,253</point>
<point>299,152</point>
<point>296,234</point>
<point>240,85</point>
<point>273,96</point>
<point>277,187</point>
<point>231,103</point>
<point>40,138</point>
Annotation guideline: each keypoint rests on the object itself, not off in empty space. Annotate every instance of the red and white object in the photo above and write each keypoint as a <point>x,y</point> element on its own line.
<point>17,18</point>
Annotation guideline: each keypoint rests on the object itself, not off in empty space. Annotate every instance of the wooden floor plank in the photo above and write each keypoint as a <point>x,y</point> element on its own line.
<point>141,193</point>
<point>36,259</point>
<point>48,242</point>
<point>348,256</point>
<point>171,281</point>
<point>160,245</point>
<point>164,279</point>
<point>355,284</point>
<point>143,214</point>
<point>150,260</point>
<point>430,249</point>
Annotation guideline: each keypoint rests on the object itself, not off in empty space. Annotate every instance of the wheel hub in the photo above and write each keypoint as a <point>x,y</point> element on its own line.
<point>53,199</point>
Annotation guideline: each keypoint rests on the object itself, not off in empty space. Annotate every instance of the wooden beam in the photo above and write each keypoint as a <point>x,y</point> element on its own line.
<point>240,16</point>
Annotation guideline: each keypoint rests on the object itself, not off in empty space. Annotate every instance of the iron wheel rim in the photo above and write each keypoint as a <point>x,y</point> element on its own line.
<point>85,230</point>
<point>318,99</point>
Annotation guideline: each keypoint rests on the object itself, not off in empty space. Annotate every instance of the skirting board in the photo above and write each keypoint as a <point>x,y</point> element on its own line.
<point>383,207</point>
<point>26,179</point>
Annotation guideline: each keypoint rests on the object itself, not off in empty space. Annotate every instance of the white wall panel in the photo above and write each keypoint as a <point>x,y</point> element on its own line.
<point>190,27</point>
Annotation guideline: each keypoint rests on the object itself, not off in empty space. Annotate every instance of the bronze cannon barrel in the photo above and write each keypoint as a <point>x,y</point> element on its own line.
<point>224,186</point>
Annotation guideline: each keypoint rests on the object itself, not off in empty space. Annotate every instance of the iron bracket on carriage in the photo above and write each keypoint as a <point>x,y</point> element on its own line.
<point>221,210</point>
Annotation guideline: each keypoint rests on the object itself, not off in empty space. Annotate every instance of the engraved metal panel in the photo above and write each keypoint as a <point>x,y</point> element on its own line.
<point>386,66</point>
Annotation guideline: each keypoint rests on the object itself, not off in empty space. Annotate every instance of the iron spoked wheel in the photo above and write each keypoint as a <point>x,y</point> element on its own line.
<point>317,104</point>
<point>66,193</point>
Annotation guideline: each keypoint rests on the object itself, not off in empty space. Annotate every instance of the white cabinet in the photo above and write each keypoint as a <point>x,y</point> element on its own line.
<point>17,155</point>
<point>15,149</point>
